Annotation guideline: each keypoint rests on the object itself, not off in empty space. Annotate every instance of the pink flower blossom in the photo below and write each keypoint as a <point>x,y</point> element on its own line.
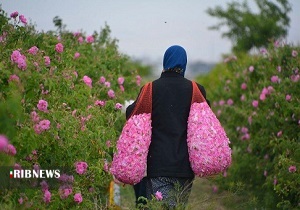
<point>23,19</point>
<point>265,91</point>
<point>221,102</point>
<point>279,134</point>
<point>47,60</point>
<point>244,86</point>
<point>44,125</point>
<point>15,56</point>
<point>138,80</point>
<point>75,74</point>
<point>47,196</point>
<point>76,55</point>
<point>244,130</point>
<point>270,89</point>
<point>279,68</point>
<point>288,97</point>
<point>215,189</point>
<point>292,169</point>
<point>243,97</point>
<point>99,103</point>
<point>108,143</point>
<point>246,136</point>
<point>74,112</point>
<point>295,78</point>
<point>277,43</point>
<point>33,50</point>
<point>294,53</point>
<point>65,191</point>
<point>90,39</point>
<point>14,14</point>
<point>34,117</point>
<point>22,63</point>
<point>81,167</point>
<point>122,88</point>
<point>43,105</point>
<point>111,93</point>
<point>275,181</point>
<point>88,81</point>
<point>78,198</point>
<point>13,78</point>
<point>130,161</point>
<point>255,103</point>
<point>102,80</point>
<point>262,97</point>
<point>263,51</point>
<point>106,166</point>
<point>44,186</point>
<point>76,34</point>
<point>3,142</point>
<point>158,196</point>
<point>20,200</point>
<point>251,68</point>
<point>10,150</point>
<point>265,173</point>
<point>205,161</point>
<point>230,102</point>
<point>66,178</point>
<point>118,106</point>
<point>121,80</point>
<point>80,39</point>
<point>107,84</point>
<point>59,48</point>
<point>274,79</point>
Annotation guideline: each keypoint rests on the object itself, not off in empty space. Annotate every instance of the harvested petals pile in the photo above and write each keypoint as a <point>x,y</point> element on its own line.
<point>208,144</point>
<point>130,161</point>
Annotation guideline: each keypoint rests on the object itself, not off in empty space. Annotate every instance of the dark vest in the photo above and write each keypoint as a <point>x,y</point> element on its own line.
<point>171,101</point>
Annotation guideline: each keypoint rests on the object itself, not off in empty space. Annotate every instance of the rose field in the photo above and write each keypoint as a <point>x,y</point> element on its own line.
<point>62,105</point>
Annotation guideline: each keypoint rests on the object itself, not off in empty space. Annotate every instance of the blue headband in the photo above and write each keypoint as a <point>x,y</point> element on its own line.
<point>175,58</point>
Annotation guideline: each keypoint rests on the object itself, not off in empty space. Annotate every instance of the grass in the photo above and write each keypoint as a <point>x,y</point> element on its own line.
<point>202,197</point>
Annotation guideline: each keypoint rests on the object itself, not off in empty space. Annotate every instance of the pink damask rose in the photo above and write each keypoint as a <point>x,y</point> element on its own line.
<point>47,60</point>
<point>23,19</point>
<point>78,198</point>
<point>3,142</point>
<point>90,39</point>
<point>130,161</point>
<point>14,14</point>
<point>158,196</point>
<point>10,150</point>
<point>59,48</point>
<point>33,50</point>
<point>208,144</point>
<point>81,167</point>
<point>43,105</point>
<point>111,93</point>
<point>88,81</point>
<point>47,196</point>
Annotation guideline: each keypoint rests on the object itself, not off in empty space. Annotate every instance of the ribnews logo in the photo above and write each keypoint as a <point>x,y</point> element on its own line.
<point>29,174</point>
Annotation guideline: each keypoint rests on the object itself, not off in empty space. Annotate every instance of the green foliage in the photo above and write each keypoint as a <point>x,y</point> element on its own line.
<point>80,130</point>
<point>247,29</point>
<point>264,139</point>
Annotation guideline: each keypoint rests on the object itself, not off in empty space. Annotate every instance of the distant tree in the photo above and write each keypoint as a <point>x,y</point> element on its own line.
<point>59,24</point>
<point>246,29</point>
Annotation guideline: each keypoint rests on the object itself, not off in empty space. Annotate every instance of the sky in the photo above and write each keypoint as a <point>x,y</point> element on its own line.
<point>145,29</point>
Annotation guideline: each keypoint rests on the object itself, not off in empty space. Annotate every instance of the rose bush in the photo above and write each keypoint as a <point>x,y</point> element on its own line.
<point>60,107</point>
<point>256,98</point>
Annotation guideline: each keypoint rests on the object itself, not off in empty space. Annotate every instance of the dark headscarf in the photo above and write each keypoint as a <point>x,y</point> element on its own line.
<point>175,59</point>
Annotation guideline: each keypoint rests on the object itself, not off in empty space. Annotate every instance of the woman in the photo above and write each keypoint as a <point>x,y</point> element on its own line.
<point>168,166</point>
